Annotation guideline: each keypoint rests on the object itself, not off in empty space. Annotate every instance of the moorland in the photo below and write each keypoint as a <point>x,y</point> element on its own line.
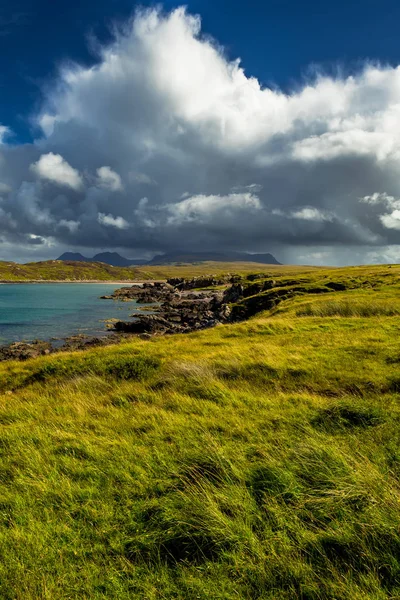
<point>258,459</point>
<point>73,271</point>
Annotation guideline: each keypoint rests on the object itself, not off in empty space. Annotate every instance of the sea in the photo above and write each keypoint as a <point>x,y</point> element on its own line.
<point>49,311</point>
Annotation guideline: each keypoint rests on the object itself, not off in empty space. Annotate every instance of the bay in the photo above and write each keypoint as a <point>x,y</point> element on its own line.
<point>57,310</point>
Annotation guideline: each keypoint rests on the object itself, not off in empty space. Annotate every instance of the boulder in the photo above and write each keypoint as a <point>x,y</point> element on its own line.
<point>25,350</point>
<point>233,293</point>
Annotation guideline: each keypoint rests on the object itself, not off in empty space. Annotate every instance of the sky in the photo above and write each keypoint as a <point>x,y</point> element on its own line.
<point>265,126</point>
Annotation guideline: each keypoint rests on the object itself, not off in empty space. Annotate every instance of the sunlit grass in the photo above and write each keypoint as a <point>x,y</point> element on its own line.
<point>258,460</point>
<point>349,308</point>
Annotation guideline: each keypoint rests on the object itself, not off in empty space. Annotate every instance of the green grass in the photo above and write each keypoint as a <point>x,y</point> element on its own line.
<point>366,307</point>
<point>56,270</point>
<point>259,460</point>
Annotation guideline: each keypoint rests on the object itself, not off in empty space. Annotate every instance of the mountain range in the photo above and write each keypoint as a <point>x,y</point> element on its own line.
<point>110,258</point>
<point>116,260</point>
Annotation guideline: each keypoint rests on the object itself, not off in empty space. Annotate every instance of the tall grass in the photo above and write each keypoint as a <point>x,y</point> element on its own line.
<point>252,461</point>
<point>348,308</point>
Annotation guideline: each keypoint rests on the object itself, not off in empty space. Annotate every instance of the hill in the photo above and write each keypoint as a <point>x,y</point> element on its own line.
<point>252,460</point>
<point>193,257</point>
<point>110,258</point>
<point>56,270</point>
<point>115,259</point>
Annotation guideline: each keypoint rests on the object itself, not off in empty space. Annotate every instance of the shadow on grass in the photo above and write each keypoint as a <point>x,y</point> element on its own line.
<point>345,416</point>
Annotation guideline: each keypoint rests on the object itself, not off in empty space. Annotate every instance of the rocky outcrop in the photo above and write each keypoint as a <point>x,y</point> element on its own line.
<point>182,284</point>
<point>25,350</point>
<point>185,311</point>
<point>145,293</point>
<point>233,293</point>
<point>180,315</point>
<point>182,306</point>
<point>267,300</point>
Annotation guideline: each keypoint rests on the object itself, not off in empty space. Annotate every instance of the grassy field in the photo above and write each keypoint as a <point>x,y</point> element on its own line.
<point>215,268</point>
<point>259,460</point>
<point>57,270</point>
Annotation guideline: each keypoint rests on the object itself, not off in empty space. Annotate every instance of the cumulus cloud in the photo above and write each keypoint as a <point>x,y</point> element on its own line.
<point>109,179</point>
<point>311,214</point>
<point>165,143</point>
<point>390,220</point>
<point>110,221</point>
<point>72,226</point>
<point>203,209</point>
<point>54,168</point>
<point>4,131</point>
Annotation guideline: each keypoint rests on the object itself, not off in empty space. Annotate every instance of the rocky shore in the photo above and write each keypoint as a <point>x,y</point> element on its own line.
<point>185,305</point>
<point>179,306</point>
<point>26,350</point>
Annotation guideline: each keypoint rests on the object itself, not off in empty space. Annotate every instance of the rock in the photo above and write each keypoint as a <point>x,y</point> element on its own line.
<point>25,350</point>
<point>255,276</point>
<point>182,284</point>
<point>337,286</point>
<point>233,293</point>
<point>146,293</point>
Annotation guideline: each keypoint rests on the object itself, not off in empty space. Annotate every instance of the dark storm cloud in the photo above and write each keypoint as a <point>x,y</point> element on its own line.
<point>165,144</point>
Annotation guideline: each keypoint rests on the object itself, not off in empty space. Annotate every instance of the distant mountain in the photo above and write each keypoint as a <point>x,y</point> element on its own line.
<point>110,258</point>
<point>189,257</point>
<point>76,256</point>
<point>116,260</point>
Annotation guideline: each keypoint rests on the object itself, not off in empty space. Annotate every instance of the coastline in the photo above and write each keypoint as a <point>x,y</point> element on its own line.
<point>88,281</point>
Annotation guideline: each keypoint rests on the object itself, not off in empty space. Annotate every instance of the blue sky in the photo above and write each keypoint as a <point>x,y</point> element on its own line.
<point>279,41</point>
<point>261,126</point>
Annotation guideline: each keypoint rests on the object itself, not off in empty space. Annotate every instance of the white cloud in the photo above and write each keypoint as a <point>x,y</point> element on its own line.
<point>110,221</point>
<point>311,214</point>
<point>381,198</point>
<point>4,132</point>
<point>205,208</point>
<point>109,179</point>
<point>227,163</point>
<point>72,226</point>
<point>392,220</point>
<point>54,168</point>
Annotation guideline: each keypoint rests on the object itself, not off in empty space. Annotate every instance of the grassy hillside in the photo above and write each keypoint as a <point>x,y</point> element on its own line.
<point>259,460</point>
<point>214,268</point>
<point>57,270</point>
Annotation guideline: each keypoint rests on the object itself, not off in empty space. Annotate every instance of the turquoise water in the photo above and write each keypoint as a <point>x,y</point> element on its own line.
<point>51,310</point>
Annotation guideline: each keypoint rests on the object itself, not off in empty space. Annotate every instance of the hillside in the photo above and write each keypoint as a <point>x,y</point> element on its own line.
<point>116,260</point>
<point>254,460</point>
<point>193,257</point>
<point>110,258</point>
<point>54,270</point>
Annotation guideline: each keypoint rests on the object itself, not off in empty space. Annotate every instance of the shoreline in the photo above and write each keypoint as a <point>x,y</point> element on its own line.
<point>77,339</point>
<point>88,281</point>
